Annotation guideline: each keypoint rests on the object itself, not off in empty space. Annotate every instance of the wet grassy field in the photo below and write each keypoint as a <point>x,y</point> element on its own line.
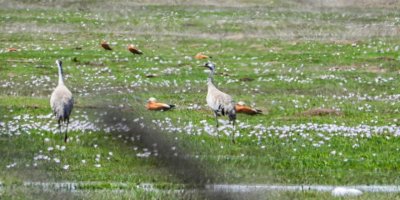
<point>325,75</point>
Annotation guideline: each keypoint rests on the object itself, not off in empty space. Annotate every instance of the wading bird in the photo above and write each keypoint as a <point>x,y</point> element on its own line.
<point>241,107</point>
<point>200,56</point>
<point>134,50</point>
<point>61,101</point>
<point>152,104</point>
<point>105,45</point>
<point>218,101</point>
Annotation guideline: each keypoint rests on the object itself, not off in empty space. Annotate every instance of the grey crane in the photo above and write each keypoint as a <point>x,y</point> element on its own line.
<point>61,101</point>
<point>219,102</point>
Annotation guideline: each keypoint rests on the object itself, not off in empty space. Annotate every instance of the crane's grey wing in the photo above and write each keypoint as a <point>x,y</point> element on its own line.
<point>68,106</point>
<point>67,103</point>
<point>224,103</point>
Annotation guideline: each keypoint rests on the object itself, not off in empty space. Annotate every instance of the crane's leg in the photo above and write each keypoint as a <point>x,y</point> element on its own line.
<point>59,126</point>
<point>233,132</point>
<point>66,131</point>
<point>216,120</point>
<point>232,119</point>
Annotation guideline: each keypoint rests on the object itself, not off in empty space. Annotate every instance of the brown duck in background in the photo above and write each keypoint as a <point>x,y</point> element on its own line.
<point>200,56</point>
<point>134,50</point>
<point>152,104</point>
<point>105,45</point>
<point>241,107</point>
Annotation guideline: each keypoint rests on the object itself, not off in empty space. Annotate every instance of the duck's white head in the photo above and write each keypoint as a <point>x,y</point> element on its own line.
<point>152,99</point>
<point>240,103</point>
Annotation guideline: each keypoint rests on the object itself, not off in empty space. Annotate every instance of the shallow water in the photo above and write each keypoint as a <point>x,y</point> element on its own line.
<point>321,188</point>
<point>240,188</point>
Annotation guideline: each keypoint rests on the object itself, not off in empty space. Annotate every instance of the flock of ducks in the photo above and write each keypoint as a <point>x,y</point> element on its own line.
<point>62,101</point>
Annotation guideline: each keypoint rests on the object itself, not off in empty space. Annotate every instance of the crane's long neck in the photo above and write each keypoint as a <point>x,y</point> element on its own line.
<point>210,78</point>
<point>60,75</point>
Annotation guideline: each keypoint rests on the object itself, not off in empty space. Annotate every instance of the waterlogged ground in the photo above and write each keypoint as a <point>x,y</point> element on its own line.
<point>326,80</point>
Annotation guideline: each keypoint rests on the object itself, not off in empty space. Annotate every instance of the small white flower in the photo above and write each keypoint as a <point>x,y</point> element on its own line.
<point>333,152</point>
<point>110,153</point>
<point>50,149</point>
<point>143,155</point>
<point>62,148</point>
<point>83,161</point>
<point>65,167</point>
<point>97,165</point>
<point>56,160</point>
<point>11,165</point>
<point>46,140</point>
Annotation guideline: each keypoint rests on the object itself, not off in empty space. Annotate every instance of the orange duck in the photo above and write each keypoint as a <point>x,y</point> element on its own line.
<point>200,56</point>
<point>134,50</point>
<point>12,49</point>
<point>242,108</point>
<point>152,104</point>
<point>105,45</point>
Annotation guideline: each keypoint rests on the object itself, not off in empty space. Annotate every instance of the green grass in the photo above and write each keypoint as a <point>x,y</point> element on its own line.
<point>294,58</point>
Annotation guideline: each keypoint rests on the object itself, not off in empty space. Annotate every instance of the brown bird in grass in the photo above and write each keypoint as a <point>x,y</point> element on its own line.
<point>134,50</point>
<point>105,45</point>
<point>200,56</point>
<point>151,75</point>
<point>241,107</point>
<point>152,104</point>
<point>12,49</point>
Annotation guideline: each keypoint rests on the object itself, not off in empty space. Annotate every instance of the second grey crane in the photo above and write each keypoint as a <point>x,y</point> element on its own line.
<point>219,102</point>
<point>61,101</point>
